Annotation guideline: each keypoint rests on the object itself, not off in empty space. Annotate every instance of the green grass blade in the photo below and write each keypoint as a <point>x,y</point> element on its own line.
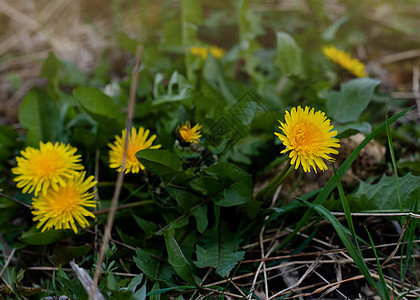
<point>384,288</point>
<point>347,211</point>
<point>409,237</point>
<point>322,196</point>
<point>394,162</point>
<point>340,229</point>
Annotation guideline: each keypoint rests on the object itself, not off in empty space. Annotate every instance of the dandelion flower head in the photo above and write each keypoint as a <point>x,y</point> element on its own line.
<point>62,208</point>
<point>217,52</point>
<point>138,140</point>
<point>307,135</point>
<point>343,59</point>
<point>49,166</point>
<point>188,134</point>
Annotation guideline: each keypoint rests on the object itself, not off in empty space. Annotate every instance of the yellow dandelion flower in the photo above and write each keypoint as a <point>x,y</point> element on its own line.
<point>307,135</point>
<point>62,208</point>
<point>344,60</point>
<point>137,141</point>
<point>50,165</point>
<point>188,134</point>
<point>199,51</point>
<point>217,52</point>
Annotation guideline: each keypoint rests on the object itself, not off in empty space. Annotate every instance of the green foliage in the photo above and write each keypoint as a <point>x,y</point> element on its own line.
<point>164,164</point>
<point>234,185</point>
<point>8,142</point>
<point>327,189</point>
<point>99,106</point>
<point>50,69</point>
<point>127,43</point>
<point>383,288</point>
<point>177,259</point>
<point>289,56</point>
<point>219,251</point>
<point>349,103</point>
<point>352,128</point>
<point>178,89</point>
<point>39,115</point>
<point>383,196</point>
<point>187,215</point>
<point>152,268</point>
<point>63,255</point>
<point>342,233</point>
<point>35,237</point>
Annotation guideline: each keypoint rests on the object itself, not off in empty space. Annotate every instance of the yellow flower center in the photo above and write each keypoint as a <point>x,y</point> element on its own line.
<point>65,201</point>
<point>45,164</point>
<point>132,149</point>
<point>304,137</point>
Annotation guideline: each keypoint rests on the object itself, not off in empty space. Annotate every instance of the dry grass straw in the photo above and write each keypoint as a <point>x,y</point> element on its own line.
<point>120,177</point>
<point>31,29</point>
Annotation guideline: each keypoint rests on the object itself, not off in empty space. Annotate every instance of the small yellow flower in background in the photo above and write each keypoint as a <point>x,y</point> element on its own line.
<point>203,51</point>
<point>188,134</point>
<point>217,52</point>
<point>137,141</point>
<point>344,60</point>
<point>49,166</point>
<point>62,208</point>
<point>307,135</point>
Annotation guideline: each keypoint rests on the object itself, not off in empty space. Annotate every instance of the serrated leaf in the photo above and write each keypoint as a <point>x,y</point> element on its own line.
<point>244,110</point>
<point>152,268</point>
<point>235,184</point>
<point>353,98</point>
<point>177,259</point>
<point>382,196</point>
<point>38,114</point>
<point>35,237</point>
<point>289,56</point>
<point>220,253</point>
<point>189,201</point>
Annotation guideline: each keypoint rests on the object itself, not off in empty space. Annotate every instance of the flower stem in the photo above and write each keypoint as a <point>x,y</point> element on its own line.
<point>268,191</point>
